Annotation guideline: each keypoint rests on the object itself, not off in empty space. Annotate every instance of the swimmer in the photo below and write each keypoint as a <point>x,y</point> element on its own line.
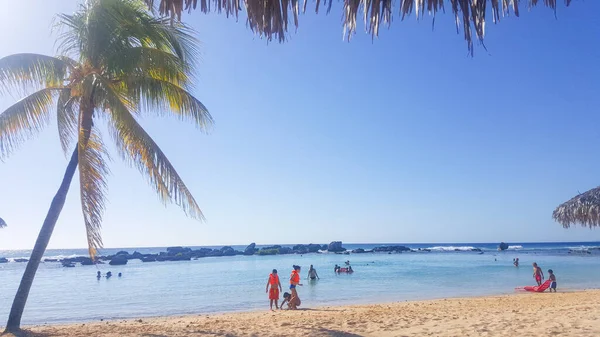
<point>312,273</point>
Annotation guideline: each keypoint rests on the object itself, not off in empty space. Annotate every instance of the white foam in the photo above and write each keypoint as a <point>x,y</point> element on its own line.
<point>515,247</point>
<point>451,248</point>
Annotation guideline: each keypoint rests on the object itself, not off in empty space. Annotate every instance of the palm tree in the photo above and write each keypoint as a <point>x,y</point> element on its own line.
<point>116,63</point>
<point>2,223</point>
<point>269,18</point>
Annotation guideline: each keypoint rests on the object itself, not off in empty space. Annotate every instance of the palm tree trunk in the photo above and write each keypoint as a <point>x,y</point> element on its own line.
<point>16,312</point>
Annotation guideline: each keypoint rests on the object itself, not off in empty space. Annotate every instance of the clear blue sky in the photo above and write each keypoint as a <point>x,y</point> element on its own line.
<point>404,139</point>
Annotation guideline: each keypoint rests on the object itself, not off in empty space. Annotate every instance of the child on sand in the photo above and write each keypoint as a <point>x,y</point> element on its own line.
<point>293,302</point>
<point>275,285</point>
<point>538,274</point>
<point>552,278</point>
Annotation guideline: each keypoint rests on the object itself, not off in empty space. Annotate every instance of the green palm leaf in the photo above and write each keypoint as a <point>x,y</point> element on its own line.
<point>92,179</point>
<point>24,71</point>
<point>139,149</point>
<point>149,61</point>
<point>25,119</point>
<point>162,97</point>
<point>66,115</point>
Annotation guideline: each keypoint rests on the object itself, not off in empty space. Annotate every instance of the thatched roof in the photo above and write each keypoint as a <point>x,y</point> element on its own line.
<point>269,18</point>
<point>583,209</point>
<point>2,223</point>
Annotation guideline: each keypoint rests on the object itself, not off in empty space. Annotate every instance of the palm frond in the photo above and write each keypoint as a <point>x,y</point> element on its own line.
<point>31,71</point>
<point>269,18</point>
<point>156,95</point>
<point>138,149</point>
<point>66,114</point>
<point>153,62</point>
<point>2,223</point>
<point>25,119</point>
<point>92,178</point>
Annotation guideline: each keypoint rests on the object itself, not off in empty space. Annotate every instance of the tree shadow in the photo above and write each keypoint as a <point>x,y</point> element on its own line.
<point>198,333</point>
<point>25,333</point>
<point>335,333</point>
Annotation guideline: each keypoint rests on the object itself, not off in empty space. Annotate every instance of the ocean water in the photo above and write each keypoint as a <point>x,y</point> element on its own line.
<point>228,284</point>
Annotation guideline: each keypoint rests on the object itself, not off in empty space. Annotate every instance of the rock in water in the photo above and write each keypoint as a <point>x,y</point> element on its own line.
<point>118,260</point>
<point>503,246</point>
<point>251,249</point>
<point>336,246</point>
<point>313,248</point>
<point>3,260</point>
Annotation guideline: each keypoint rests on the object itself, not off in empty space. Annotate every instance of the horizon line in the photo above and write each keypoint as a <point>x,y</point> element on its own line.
<point>292,244</point>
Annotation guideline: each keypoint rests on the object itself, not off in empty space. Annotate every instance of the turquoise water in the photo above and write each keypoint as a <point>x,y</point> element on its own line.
<point>226,284</point>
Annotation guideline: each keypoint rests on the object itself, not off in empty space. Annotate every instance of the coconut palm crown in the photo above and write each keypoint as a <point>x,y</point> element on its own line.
<point>117,62</point>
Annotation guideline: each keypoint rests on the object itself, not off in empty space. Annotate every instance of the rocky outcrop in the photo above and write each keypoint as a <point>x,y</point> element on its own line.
<point>21,260</point>
<point>335,246</point>
<point>177,250</point>
<point>251,249</point>
<point>503,246</point>
<point>122,252</point>
<point>285,250</point>
<point>313,248</point>
<point>87,262</point>
<point>391,249</point>
<point>358,251</point>
<point>3,260</point>
<point>228,251</point>
<point>50,260</point>
<point>118,260</point>
<point>268,251</point>
<point>300,249</point>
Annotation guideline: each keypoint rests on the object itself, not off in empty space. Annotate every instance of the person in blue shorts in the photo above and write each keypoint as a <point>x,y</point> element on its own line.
<point>552,278</point>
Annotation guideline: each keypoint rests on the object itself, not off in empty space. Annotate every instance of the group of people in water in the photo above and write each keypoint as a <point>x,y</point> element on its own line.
<point>291,298</point>
<point>108,275</point>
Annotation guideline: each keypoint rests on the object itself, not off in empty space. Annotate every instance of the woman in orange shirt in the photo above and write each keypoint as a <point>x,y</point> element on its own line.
<point>294,282</point>
<point>275,285</point>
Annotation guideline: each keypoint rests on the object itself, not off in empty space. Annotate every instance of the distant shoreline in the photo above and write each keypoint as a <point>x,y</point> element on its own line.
<point>179,253</point>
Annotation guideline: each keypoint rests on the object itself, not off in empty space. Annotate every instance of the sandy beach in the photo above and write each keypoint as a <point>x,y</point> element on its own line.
<point>560,314</point>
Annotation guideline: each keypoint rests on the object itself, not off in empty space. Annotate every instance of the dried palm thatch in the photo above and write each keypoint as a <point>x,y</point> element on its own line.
<point>269,18</point>
<point>583,209</point>
<point>2,223</point>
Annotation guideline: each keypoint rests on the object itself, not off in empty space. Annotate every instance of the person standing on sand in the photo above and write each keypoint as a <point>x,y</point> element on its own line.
<point>275,285</point>
<point>538,274</point>
<point>552,278</point>
<point>294,282</point>
<point>312,273</point>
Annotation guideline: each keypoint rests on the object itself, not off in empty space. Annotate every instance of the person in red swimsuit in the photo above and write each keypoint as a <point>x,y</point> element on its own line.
<point>538,274</point>
<point>273,289</point>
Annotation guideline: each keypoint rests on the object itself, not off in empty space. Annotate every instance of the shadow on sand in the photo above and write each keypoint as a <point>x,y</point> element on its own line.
<point>25,333</point>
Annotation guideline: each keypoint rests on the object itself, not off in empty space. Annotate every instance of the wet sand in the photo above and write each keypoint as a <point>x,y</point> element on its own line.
<point>546,314</point>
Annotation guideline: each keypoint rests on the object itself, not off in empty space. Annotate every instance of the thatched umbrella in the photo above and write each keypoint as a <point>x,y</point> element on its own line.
<point>269,18</point>
<point>2,223</point>
<point>583,209</point>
